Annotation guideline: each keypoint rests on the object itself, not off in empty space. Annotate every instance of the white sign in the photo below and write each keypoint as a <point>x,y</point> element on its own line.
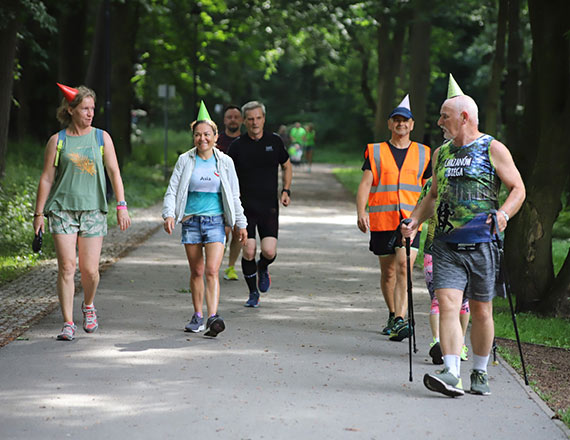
<point>166,91</point>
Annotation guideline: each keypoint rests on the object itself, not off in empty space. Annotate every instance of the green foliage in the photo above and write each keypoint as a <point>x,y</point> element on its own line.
<point>17,201</point>
<point>144,185</point>
<point>553,332</point>
<point>350,177</point>
<point>560,250</point>
<point>561,228</point>
<point>564,415</point>
<point>33,9</point>
<point>149,148</point>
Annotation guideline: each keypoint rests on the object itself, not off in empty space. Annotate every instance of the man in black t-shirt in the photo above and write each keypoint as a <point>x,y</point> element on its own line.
<point>257,156</point>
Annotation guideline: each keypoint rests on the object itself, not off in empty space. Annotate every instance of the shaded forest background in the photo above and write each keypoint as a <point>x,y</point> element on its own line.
<point>342,65</point>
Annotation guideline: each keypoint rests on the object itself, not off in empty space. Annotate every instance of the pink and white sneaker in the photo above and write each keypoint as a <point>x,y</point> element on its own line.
<point>90,323</point>
<point>67,332</point>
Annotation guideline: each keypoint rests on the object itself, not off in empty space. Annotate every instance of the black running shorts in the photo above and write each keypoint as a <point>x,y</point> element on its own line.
<point>385,242</point>
<point>266,220</point>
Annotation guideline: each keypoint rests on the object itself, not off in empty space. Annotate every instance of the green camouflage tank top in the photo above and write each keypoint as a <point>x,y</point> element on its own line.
<point>467,189</point>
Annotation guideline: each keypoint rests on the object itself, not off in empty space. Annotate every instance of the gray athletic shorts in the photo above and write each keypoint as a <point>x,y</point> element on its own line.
<point>475,272</point>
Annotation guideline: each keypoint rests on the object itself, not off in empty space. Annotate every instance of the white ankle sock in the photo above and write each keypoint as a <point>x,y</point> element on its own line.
<point>451,361</point>
<point>480,362</point>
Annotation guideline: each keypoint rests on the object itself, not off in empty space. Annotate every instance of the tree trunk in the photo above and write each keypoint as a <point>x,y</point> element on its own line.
<point>390,47</point>
<point>8,42</point>
<point>72,26</point>
<point>95,76</point>
<point>124,25</point>
<point>365,63</point>
<point>529,237</point>
<point>561,291</point>
<point>492,110</point>
<point>420,43</point>
<point>513,100</point>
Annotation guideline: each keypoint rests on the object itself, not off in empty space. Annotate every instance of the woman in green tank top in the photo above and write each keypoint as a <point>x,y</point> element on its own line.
<point>71,193</point>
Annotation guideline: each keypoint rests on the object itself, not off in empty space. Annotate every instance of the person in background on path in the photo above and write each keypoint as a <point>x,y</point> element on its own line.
<point>71,194</point>
<point>284,135</point>
<point>257,155</point>
<point>468,172</point>
<point>394,173</point>
<point>232,125</point>
<point>435,348</point>
<point>310,137</point>
<point>203,195</point>
<point>297,135</point>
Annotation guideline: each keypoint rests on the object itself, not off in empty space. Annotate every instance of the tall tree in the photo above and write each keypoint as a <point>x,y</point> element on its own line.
<point>72,31</point>
<point>492,107</point>
<point>8,38</point>
<point>12,14</point>
<point>513,100</point>
<point>122,33</point>
<point>420,43</point>
<point>529,238</point>
<point>391,35</point>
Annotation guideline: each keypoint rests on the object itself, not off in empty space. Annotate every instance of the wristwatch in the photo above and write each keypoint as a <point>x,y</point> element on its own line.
<point>122,203</point>
<point>288,191</point>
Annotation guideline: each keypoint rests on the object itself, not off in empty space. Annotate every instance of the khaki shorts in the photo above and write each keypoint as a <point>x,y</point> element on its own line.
<point>83,223</point>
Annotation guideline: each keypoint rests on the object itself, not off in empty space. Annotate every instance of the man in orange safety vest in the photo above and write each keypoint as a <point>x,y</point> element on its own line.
<point>393,175</point>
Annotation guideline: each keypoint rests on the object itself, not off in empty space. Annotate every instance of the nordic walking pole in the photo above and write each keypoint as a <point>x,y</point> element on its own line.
<point>410,306</point>
<point>507,285</point>
<point>410,302</point>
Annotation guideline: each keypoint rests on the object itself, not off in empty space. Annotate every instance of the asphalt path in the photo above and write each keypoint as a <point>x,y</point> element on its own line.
<point>309,363</point>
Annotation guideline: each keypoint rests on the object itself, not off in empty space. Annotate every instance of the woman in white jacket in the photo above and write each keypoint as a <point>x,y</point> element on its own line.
<point>203,195</point>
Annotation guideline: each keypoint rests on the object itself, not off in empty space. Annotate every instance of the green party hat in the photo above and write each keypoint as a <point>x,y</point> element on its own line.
<point>203,114</point>
<point>453,88</point>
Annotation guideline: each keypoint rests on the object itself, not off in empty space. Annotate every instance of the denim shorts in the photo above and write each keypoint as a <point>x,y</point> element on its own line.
<point>202,229</point>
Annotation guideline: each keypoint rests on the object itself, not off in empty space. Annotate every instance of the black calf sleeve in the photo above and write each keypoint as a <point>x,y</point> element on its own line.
<point>249,269</point>
<point>264,262</point>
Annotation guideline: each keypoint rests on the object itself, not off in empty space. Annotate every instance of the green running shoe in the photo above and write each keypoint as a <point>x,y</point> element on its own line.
<point>444,382</point>
<point>480,383</point>
<point>231,274</point>
<point>400,331</point>
<point>464,351</point>
<point>389,325</point>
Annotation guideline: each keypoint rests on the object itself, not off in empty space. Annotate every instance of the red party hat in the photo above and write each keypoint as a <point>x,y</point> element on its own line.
<point>68,92</point>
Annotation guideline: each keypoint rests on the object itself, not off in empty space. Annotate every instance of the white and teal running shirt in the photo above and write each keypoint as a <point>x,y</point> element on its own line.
<point>204,192</point>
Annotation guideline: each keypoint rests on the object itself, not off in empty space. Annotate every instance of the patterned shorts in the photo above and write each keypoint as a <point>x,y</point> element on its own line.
<point>83,223</point>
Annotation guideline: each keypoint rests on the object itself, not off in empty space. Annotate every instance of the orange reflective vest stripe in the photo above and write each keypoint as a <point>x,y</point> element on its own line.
<point>394,192</point>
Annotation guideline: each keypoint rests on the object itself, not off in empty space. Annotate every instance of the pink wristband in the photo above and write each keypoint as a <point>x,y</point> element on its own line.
<point>121,207</point>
